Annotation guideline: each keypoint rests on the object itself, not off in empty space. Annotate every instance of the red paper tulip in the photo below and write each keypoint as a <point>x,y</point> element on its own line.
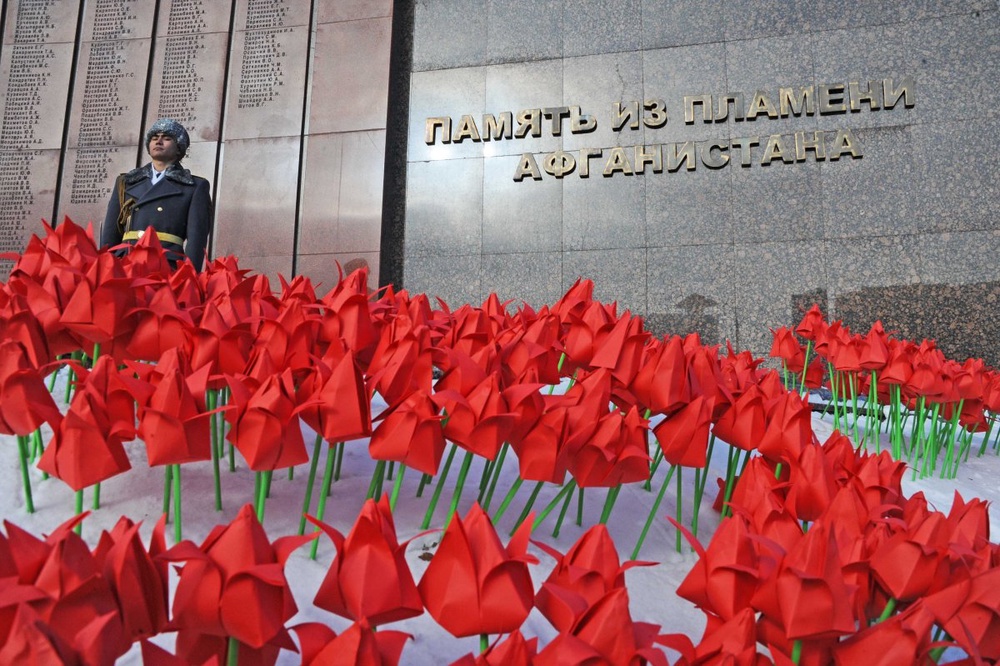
<point>812,484</point>
<point>970,612</point>
<point>514,650</point>
<point>27,403</point>
<point>265,423</point>
<point>607,628</point>
<point>683,436</point>
<point>900,639</point>
<point>357,646</point>
<point>174,423</point>
<point>346,315</point>
<point>807,596</point>
<point>661,384</point>
<point>786,347</point>
<point>530,352</point>
<point>474,585</point>
<point>912,563</point>
<point>613,453</point>
<point>478,422</point>
<point>369,578</point>
<point>99,311</point>
<point>160,325</point>
<point>410,434</point>
<point>87,447</point>
<point>812,325</point>
<point>234,585</point>
<point>339,406</point>
<point>743,424</point>
<point>788,429</point>
<point>139,583</point>
<point>401,363</point>
<point>589,570</point>
<point>541,452</point>
<point>727,573</point>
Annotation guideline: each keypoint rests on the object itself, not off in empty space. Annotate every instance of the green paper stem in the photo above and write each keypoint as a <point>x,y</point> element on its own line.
<point>310,481</point>
<point>805,368</point>
<point>375,486</point>
<point>22,454</point>
<point>680,507</point>
<point>562,359</point>
<point>579,508</point>
<point>484,479</point>
<point>527,507</point>
<point>507,500</point>
<point>262,497</point>
<point>456,495</point>
<point>438,487</point>
<point>889,609</point>
<point>97,496</point>
<point>949,456</point>
<point>52,379</point>
<point>609,503</point>
<point>331,459</point>
<point>392,469</point>
<point>484,643</point>
<point>652,513</point>
<point>37,448</point>
<point>291,473</point>
<point>657,459</point>
<point>424,480</point>
<point>178,532</point>
<point>168,473</point>
<point>232,457</point>
<point>396,485</point>
<point>562,512</point>
<point>730,477</point>
<point>699,491</point>
<point>565,491</point>
<point>78,509</point>
<point>212,398</point>
<point>233,652</point>
<point>495,473</point>
<point>340,460</point>
<point>796,652</point>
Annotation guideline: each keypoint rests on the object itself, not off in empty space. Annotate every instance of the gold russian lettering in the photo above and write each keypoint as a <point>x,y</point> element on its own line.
<point>651,155</point>
<point>831,98</point>
<point>629,113</point>
<point>796,100</point>
<point>617,161</point>
<point>527,167</point>
<point>430,130</point>
<point>494,130</point>
<point>656,113</point>
<point>529,120</point>
<point>706,107</point>
<point>844,143</point>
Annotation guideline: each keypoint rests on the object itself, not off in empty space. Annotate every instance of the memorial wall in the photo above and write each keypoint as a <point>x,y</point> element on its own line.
<point>714,166</point>
<point>285,102</point>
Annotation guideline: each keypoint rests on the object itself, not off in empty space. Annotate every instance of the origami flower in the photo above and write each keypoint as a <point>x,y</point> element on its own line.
<point>900,639</point>
<point>589,570</point>
<point>369,578</point>
<point>474,585</point>
<point>743,424</point>
<point>788,429</point>
<point>479,421</point>
<point>410,434</point>
<point>160,324</point>
<point>87,446</point>
<point>806,596</point>
<point>137,580</point>
<point>683,436</point>
<point>358,644</point>
<point>27,403</point>
<point>607,628</point>
<point>401,363</point>
<point>174,422</point>
<point>338,406</point>
<point>233,585</point>
<point>614,453</point>
<point>661,384</point>
<point>515,650</point>
<point>265,423</point>
<point>99,311</point>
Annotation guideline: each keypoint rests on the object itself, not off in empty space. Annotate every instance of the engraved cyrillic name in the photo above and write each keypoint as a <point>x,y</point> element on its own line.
<point>262,70</point>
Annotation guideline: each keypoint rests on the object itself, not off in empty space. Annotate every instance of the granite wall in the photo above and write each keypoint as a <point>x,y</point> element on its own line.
<point>896,216</point>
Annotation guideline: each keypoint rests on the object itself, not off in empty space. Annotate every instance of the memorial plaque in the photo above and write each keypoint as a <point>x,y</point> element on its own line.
<point>105,123</point>
<point>35,21</point>
<point>189,65</point>
<point>35,68</point>
<point>258,178</point>
<point>27,192</point>
<point>269,55</point>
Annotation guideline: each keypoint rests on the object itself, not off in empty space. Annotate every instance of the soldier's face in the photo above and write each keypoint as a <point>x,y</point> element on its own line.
<point>163,147</point>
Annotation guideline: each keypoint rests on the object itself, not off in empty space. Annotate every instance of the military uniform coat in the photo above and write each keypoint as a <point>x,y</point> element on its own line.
<point>180,204</point>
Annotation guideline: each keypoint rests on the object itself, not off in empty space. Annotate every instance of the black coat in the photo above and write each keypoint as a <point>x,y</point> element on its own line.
<point>180,204</point>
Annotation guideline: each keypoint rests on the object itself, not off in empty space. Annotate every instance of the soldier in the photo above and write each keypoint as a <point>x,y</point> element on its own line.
<point>164,197</point>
